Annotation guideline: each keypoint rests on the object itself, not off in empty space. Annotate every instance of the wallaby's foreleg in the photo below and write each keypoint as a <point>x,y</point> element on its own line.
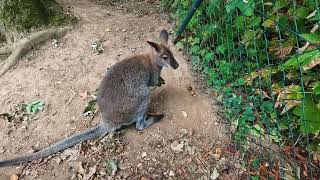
<point>160,81</point>
<point>147,120</point>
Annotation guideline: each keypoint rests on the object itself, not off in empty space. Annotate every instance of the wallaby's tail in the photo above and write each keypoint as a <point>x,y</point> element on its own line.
<point>91,133</point>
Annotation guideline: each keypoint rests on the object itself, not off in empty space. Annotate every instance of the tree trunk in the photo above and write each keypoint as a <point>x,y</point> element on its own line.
<point>20,17</point>
<point>17,17</point>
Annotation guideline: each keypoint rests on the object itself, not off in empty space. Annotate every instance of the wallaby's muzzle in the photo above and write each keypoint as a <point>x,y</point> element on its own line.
<point>174,64</point>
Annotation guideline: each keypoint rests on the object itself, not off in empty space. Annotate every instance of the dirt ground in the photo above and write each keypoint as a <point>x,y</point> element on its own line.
<point>191,142</point>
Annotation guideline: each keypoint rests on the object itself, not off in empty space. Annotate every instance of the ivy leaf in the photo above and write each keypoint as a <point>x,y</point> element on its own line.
<point>90,108</point>
<point>231,6</point>
<point>195,49</point>
<point>239,82</point>
<point>248,114</point>
<point>257,131</point>
<point>303,59</point>
<point>195,60</point>
<point>284,20</point>
<point>35,107</point>
<point>252,52</point>
<point>195,41</point>
<point>255,22</point>
<point>239,22</point>
<point>180,46</point>
<point>313,38</point>
<point>267,107</point>
<point>112,167</point>
<point>221,49</point>
<point>267,23</point>
<point>274,135</point>
<point>208,57</point>
<point>248,37</point>
<point>280,4</point>
<point>246,8</point>
<point>301,12</point>
<point>309,118</point>
<point>316,89</point>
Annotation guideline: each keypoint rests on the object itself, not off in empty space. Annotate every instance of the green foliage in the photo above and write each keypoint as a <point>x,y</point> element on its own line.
<point>23,15</point>
<point>248,52</point>
<point>34,107</point>
<point>90,107</point>
<point>309,116</point>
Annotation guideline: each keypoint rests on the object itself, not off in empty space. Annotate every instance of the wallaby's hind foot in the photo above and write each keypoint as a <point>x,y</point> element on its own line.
<point>148,120</point>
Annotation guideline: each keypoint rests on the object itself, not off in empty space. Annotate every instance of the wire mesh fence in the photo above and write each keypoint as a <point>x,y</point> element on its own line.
<point>261,59</point>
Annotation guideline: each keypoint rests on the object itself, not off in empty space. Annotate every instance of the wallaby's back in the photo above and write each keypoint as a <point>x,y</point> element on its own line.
<point>124,88</point>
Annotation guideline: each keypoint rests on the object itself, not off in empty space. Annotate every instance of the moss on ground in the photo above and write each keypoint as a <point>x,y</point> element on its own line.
<point>22,15</point>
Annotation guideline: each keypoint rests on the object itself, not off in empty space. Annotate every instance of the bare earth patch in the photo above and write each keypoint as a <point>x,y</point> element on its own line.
<point>189,143</point>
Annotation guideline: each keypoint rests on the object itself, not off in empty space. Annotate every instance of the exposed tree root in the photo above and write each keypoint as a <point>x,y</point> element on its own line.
<point>18,49</point>
<point>7,49</point>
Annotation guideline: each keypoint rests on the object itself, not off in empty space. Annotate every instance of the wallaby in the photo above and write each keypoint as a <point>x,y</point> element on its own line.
<point>123,98</point>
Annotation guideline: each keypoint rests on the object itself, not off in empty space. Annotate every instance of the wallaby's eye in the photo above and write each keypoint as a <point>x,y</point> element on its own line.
<point>165,57</point>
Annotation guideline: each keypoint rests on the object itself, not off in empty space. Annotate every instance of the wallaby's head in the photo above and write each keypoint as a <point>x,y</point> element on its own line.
<point>164,56</point>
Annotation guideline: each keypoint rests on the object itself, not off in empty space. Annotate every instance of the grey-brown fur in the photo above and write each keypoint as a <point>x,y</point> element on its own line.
<point>124,98</point>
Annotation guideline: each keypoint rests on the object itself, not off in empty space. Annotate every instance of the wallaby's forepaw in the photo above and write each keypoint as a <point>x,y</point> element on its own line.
<point>161,81</point>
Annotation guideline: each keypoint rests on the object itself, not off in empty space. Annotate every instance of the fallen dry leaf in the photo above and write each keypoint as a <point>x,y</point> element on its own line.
<point>283,52</point>
<point>193,93</point>
<point>70,154</point>
<point>145,178</point>
<point>312,64</point>
<point>214,175</point>
<point>263,169</point>
<point>312,14</point>
<point>290,104</point>
<point>218,153</point>
<point>284,98</point>
<point>84,95</point>
<point>78,167</point>
<point>92,171</point>
<point>184,114</point>
<point>175,146</point>
<point>14,177</point>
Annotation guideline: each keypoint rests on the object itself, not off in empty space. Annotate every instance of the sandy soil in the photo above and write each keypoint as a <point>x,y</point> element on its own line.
<point>60,76</point>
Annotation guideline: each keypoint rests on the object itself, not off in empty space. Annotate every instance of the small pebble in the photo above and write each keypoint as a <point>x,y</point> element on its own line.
<point>171,173</point>
<point>27,172</point>
<point>144,154</point>
<point>184,114</point>
<point>139,165</point>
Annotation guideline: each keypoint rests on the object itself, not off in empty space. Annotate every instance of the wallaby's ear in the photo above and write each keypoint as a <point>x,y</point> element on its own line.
<point>154,45</point>
<point>164,37</point>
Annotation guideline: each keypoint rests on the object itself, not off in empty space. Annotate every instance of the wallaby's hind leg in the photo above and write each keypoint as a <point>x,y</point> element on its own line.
<point>147,120</point>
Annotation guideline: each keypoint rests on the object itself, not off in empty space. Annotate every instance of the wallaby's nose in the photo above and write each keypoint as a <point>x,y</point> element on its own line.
<point>175,66</point>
